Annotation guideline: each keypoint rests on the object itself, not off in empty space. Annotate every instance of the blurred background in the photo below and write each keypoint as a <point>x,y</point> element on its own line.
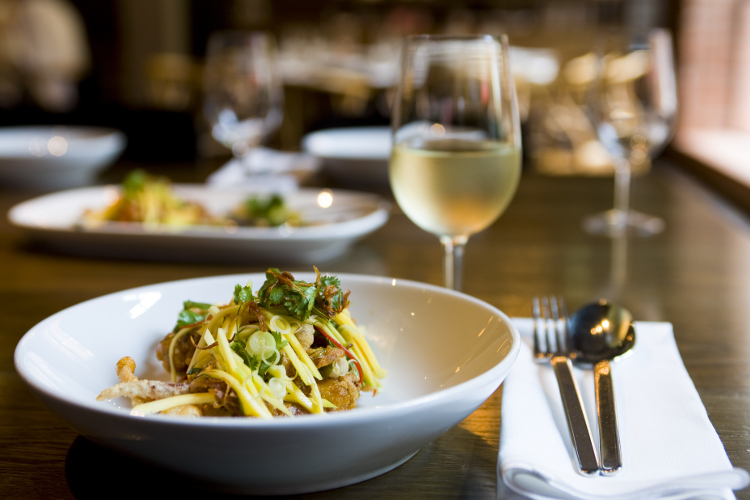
<point>137,65</point>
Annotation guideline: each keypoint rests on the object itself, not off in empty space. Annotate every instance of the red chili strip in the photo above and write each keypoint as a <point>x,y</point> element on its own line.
<point>347,351</point>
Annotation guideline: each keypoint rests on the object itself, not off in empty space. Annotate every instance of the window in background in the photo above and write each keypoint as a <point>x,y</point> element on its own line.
<point>714,62</point>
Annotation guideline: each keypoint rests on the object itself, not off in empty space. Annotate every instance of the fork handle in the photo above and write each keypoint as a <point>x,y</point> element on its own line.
<point>605,408</point>
<point>580,433</point>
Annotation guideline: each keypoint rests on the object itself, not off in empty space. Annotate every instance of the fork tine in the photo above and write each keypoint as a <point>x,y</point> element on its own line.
<point>555,326</point>
<point>548,345</point>
<point>537,327</point>
<point>564,323</point>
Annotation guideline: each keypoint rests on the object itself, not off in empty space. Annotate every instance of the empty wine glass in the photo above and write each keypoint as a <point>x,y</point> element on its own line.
<point>456,157</point>
<point>634,107</point>
<point>243,94</point>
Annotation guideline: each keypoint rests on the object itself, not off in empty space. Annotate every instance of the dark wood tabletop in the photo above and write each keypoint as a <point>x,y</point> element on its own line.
<point>696,274</point>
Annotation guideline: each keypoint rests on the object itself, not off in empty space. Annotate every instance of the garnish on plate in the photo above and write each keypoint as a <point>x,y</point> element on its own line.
<point>266,211</point>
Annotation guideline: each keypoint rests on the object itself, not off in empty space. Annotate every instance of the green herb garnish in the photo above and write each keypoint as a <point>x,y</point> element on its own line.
<point>299,298</point>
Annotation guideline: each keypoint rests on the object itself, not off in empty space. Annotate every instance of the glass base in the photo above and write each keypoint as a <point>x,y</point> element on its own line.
<point>615,223</point>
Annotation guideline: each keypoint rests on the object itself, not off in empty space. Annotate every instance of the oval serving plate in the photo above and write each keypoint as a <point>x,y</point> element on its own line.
<point>344,218</point>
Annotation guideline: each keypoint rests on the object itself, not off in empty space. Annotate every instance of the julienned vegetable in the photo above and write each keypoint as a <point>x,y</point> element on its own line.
<point>290,349</point>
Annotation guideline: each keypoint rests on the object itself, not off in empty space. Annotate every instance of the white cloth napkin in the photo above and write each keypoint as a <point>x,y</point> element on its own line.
<point>669,447</point>
<point>266,168</point>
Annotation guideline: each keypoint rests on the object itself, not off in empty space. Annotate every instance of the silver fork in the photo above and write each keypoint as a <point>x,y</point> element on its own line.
<point>551,346</point>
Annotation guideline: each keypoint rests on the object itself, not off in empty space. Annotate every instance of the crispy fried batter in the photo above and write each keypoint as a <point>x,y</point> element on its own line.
<point>183,351</point>
<point>305,335</point>
<point>148,390</point>
<point>341,391</point>
<point>125,373</point>
<point>324,356</point>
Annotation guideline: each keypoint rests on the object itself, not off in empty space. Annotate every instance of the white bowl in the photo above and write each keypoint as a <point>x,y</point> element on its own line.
<point>355,156</point>
<point>445,352</point>
<point>56,157</point>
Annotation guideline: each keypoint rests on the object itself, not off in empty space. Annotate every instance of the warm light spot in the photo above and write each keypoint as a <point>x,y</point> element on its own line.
<point>458,369</point>
<point>57,146</point>
<point>412,313</point>
<point>325,198</point>
<point>605,324</point>
<point>393,282</point>
<point>437,130</point>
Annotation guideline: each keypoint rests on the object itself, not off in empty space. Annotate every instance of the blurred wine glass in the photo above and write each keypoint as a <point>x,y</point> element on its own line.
<point>243,93</point>
<point>456,157</point>
<point>634,108</point>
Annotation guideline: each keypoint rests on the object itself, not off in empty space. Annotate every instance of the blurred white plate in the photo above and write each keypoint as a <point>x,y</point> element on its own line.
<point>56,157</point>
<point>440,369</point>
<point>353,156</point>
<point>55,219</point>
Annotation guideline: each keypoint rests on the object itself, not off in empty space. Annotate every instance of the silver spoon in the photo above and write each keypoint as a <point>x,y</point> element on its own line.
<point>600,332</point>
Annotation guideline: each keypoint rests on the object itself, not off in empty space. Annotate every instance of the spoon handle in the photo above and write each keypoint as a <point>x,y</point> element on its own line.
<point>609,446</point>
<point>578,425</point>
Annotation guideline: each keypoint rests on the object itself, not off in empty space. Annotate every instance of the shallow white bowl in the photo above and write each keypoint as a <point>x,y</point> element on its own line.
<point>445,353</point>
<point>356,156</point>
<point>56,157</point>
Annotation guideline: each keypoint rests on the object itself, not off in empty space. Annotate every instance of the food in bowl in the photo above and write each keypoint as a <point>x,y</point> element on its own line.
<point>291,349</point>
<point>151,200</point>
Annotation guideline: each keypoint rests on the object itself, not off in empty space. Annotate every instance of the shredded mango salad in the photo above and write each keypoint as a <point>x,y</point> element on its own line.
<point>290,349</point>
<point>151,200</point>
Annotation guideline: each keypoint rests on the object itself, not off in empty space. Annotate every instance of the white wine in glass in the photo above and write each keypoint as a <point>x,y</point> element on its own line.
<point>456,158</point>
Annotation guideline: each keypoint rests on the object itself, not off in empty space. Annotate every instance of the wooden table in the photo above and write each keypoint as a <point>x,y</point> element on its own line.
<point>696,275</point>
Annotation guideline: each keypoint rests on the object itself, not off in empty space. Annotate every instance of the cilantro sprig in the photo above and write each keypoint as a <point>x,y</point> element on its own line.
<point>300,298</point>
<point>192,312</point>
<point>242,294</point>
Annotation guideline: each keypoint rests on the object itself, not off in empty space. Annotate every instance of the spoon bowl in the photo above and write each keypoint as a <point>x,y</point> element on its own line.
<point>601,331</point>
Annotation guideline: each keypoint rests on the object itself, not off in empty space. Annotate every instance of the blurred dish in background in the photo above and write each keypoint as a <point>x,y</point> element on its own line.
<point>56,157</point>
<point>352,156</point>
<point>334,221</point>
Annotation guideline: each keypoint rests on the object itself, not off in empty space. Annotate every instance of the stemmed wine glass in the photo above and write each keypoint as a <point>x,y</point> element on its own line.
<point>456,157</point>
<point>243,93</point>
<point>634,107</point>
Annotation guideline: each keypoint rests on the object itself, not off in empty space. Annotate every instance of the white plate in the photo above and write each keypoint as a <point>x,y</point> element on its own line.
<point>55,219</point>
<point>445,353</point>
<point>56,157</point>
<point>354,156</point>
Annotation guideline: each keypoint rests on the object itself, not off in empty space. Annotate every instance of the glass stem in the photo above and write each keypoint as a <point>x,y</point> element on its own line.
<point>453,260</point>
<point>622,191</point>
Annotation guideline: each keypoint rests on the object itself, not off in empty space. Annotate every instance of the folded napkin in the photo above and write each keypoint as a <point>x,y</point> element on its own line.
<point>669,447</point>
<point>263,167</point>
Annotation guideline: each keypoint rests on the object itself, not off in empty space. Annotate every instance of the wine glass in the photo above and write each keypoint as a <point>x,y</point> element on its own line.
<point>456,157</point>
<point>634,108</point>
<point>243,94</point>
